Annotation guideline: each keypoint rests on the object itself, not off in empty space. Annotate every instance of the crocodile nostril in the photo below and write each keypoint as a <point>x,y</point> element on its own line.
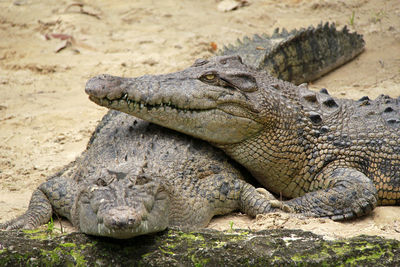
<point>121,217</point>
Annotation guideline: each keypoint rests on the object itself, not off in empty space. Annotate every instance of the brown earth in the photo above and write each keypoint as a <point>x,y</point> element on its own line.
<point>49,49</point>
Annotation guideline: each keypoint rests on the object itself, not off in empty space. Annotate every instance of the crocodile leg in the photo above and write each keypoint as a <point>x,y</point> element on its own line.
<point>39,212</point>
<point>55,191</point>
<point>215,194</point>
<point>345,193</point>
<point>253,202</point>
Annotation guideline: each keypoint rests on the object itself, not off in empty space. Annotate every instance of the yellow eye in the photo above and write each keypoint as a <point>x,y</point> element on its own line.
<point>210,77</point>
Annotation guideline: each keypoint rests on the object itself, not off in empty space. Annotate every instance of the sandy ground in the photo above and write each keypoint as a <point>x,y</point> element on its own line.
<point>46,118</point>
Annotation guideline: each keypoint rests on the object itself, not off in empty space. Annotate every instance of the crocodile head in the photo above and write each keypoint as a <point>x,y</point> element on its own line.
<point>217,100</point>
<point>123,208</point>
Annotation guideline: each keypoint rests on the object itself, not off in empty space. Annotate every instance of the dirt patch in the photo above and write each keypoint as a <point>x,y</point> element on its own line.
<point>48,50</point>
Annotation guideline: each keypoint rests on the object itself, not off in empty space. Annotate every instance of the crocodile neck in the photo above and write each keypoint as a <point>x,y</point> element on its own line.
<point>275,155</point>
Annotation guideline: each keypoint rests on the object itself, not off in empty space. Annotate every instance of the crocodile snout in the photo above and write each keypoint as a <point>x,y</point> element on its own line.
<point>122,217</point>
<point>105,86</point>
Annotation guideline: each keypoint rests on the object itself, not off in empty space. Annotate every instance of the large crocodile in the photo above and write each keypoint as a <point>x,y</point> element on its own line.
<point>329,157</point>
<point>114,187</point>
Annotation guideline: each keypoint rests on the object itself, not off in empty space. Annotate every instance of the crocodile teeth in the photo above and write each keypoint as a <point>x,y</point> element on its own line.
<point>132,106</point>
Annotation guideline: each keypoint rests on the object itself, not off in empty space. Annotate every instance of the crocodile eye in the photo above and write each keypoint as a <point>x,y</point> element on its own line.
<point>210,77</point>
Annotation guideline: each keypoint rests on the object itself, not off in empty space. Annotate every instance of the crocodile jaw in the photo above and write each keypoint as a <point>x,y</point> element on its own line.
<point>123,208</point>
<point>144,228</point>
<point>115,224</point>
<point>190,107</point>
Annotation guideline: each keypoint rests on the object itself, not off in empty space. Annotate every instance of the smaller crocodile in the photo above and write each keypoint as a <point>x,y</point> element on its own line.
<point>137,178</point>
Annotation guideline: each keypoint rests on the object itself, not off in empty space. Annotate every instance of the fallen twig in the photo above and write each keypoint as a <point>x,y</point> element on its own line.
<point>82,10</point>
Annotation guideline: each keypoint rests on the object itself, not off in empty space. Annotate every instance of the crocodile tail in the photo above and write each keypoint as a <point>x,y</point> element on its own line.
<point>310,53</point>
<point>300,55</point>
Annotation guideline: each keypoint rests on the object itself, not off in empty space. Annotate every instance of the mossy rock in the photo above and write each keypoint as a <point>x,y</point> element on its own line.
<point>201,248</point>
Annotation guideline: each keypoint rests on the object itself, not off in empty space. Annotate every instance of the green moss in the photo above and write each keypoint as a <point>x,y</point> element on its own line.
<point>237,236</point>
<point>207,247</point>
<point>219,244</point>
<point>304,257</point>
<point>276,259</point>
<point>192,237</point>
<point>78,257</point>
<point>199,262</point>
<point>244,233</point>
<point>195,242</point>
<point>52,257</point>
<point>88,245</point>
<point>352,253</point>
<point>36,234</point>
<point>165,251</point>
<point>40,234</point>
<point>68,245</point>
<point>170,245</point>
<point>375,252</point>
<point>192,240</point>
<point>34,231</point>
<point>13,257</point>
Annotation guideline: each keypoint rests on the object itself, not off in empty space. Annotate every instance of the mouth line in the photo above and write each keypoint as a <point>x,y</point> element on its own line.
<point>131,231</point>
<point>133,105</point>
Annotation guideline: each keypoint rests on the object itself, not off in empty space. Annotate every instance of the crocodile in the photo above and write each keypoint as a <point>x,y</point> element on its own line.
<point>301,55</point>
<point>101,175</point>
<point>327,157</point>
<point>137,178</point>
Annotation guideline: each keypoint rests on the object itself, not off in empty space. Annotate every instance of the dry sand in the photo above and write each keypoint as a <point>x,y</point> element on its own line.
<point>46,118</point>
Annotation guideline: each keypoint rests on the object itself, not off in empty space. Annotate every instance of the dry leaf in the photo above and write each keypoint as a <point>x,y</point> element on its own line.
<point>214,46</point>
<point>61,36</point>
<point>64,44</point>
<point>229,5</point>
<point>82,10</point>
